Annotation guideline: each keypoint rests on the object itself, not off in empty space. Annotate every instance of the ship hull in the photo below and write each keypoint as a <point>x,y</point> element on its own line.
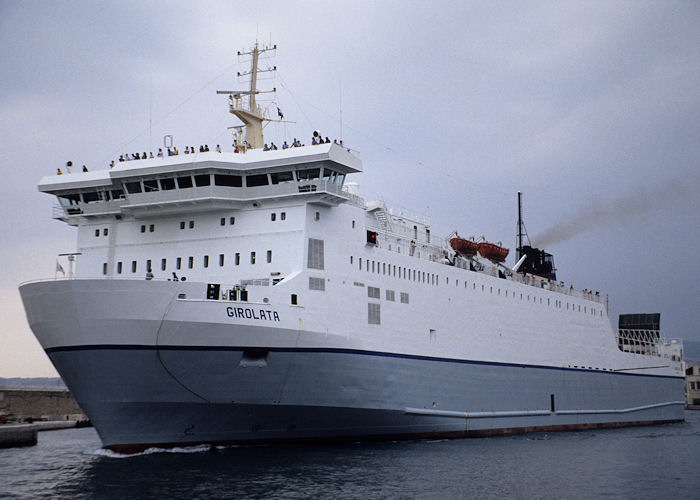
<point>157,392</point>
<point>135,403</point>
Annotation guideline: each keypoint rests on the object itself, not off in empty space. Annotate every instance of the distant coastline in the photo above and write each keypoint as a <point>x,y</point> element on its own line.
<point>43,382</point>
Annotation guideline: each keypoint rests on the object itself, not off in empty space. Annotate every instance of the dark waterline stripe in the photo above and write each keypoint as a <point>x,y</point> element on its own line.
<point>329,350</point>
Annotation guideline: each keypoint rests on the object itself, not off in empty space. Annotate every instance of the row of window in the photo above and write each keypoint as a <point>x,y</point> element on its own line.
<point>392,270</point>
<point>190,224</point>
<point>694,386</point>
<point>151,229</point>
<point>190,262</point>
<point>203,180</point>
<point>230,180</point>
<point>434,279</point>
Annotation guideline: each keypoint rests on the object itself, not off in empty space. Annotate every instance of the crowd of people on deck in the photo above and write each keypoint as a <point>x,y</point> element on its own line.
<point>317,138</point>
<point>169,152</point>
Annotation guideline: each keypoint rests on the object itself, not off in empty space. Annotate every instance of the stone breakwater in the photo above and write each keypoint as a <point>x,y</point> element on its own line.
<point>27,404</point>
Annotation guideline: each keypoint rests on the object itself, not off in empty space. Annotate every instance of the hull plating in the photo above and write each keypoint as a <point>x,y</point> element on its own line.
<point>139,397</point>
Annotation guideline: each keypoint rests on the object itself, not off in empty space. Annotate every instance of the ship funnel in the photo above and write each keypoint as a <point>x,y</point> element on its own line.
<point>532,260</point>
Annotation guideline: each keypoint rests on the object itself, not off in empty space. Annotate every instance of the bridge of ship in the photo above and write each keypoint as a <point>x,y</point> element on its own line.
<point>214,181</point>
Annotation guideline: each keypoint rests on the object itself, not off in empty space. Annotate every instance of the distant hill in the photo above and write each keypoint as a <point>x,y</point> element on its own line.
<point>53,382</point>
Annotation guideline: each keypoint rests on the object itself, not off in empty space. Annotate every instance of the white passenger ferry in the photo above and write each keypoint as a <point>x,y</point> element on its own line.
<point>253,296</point>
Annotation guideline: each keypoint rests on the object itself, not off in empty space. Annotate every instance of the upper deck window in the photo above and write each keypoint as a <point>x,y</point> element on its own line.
<point>167,184</point>
<point>133,187</point>
<point>228,180</point>
<point>117,194</point>
<point>150,185</point>
<point>184,182</point>
<point>329,175</point>
<point>339,179</point>
<point>277,177</point>
<point>91,197</point>
<point>69,199</point>
<point>308,174</point>
<point>256,180</point>
<point>202,180</point>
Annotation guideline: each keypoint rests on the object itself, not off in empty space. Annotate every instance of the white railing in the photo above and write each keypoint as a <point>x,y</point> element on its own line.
<point>639,341</point>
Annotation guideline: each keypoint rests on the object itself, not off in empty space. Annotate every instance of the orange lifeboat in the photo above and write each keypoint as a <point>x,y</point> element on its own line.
<point>465,247</point>
<point>493,252</point>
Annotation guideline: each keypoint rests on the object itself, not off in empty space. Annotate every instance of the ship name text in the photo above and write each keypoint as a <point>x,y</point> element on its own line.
<point>250,313</point>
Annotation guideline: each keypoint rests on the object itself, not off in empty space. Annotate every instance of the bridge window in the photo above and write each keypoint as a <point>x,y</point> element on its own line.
<point>133,187</point>
<point>308,174</point>
<point>167,184</point>
<point>228,180</point>
<point>329,175</point>
<point>150,185</point>
<point>91,197</point>
<point>278,177</point>
<point>202,180</point>
<point>69,199</point>
<point>256,180</point>
<point>184,182</point>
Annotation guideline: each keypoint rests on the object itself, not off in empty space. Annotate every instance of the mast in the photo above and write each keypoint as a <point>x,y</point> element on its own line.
<point>243,105</point>
<point>521,228</point>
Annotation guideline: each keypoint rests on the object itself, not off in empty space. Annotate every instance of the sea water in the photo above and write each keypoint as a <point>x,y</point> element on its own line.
<point>637,462</point>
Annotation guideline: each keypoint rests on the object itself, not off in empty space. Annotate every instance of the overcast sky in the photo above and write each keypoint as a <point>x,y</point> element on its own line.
<point>591,109</point>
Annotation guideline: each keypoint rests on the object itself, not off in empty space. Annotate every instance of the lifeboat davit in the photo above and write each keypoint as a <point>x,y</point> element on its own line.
<point>493,252</point>
<point>465,247</point>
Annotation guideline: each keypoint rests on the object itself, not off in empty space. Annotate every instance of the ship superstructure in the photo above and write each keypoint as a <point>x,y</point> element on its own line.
<point>255,296</point>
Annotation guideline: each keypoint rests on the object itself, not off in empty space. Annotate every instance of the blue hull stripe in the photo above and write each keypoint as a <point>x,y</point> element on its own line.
<point>135,347</point>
